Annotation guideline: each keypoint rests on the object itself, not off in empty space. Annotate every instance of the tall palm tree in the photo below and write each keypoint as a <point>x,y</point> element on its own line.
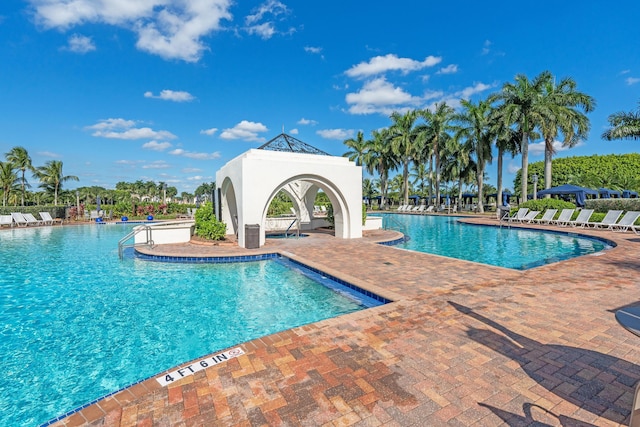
<point>52,178</point>
<point>474,126</point>
<point>358,149</point>
<point>405,143</point>
<point>457,164</point>
<point>520,107</point>
<point>623,126</point>
<point>19,158</point>
<point>436,133</point>
<point>507,141</point>
<point>8,180</point>
<point>380,158</point>
<point>420,175</point>
<point>561,106</point>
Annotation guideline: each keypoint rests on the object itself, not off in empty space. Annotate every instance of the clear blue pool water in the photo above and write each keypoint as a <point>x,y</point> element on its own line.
<point>501,246</point>
<point>77,323</point>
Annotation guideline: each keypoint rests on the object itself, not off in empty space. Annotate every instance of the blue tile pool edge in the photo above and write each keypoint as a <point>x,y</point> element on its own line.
<point>245,258</point>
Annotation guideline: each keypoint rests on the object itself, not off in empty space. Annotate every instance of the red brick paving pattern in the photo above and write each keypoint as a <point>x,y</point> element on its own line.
<point>463,344</point>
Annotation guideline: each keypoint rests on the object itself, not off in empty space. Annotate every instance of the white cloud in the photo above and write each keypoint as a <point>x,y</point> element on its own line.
<point>171,95</point>
<point>209,132</point>
<point>537,148</point>
<point>379,96</point>
<point>486,47</point>
<point>624,72</point>
<point>306,122</point>
<point>80,44</point>
<point>245,130</point>
<point>160,164</point>
<point>193,155</point>
<point>124,129</point>
<point>382,64</point>
<point>339,134</point>
<point>472,90</point>
<point>170,29</point>
<point>293,132</point>
<point>156,146</point>
<point>191,170</point>
<point>312,49</point>
<point>632,80</point>
<point>48,154</point>
<point>449,69</point>
<point>513,168</point>
<point>268,10</point>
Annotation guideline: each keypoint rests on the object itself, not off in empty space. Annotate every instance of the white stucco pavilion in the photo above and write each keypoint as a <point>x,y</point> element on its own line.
<point>248,183</point>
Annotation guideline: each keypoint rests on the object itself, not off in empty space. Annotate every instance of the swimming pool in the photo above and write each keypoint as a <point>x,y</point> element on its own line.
<point>509,247</point>
<point>76,323</point>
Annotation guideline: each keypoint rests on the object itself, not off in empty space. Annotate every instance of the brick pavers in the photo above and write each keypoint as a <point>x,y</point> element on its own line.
<point>463,344</point>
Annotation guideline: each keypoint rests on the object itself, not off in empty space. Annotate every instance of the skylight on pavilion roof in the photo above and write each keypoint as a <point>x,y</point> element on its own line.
<point>287,143</point>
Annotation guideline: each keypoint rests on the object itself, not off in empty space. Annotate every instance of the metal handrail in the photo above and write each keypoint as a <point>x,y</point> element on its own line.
<point>149,237</point>
<point>291,225</point>
<point>402,227</point>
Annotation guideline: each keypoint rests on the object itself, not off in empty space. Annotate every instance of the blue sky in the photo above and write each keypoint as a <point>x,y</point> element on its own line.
<point>169,90</point>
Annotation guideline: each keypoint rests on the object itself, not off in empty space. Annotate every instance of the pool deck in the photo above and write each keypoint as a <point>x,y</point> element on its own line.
<point>463,344</point>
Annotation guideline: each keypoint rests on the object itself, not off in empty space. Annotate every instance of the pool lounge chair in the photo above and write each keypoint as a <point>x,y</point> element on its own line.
<point>564,218</point>
<point>46,218</point>
<point>546,217</point>
<point>583,218</point>
<point>518,215</point>
<point>609,219</point>
<point>429,208</point>
<point>528,217</point>
<point>31,220</point>
<point>6,220</point>
<point>19,219</point>
<point>626,222</point>
<point>421,208</point>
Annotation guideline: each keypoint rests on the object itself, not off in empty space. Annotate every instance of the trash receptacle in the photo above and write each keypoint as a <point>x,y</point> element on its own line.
<point>252,236</point>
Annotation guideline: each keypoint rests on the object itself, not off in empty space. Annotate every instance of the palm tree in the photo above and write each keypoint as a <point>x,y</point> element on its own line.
<point>368,188</point>
<point>19,158</point>
<point>358,148</point>
<point>405,143</point>
<point>507,141</point>
<point>474,126</point>
<point>436,134</point>
<point>420,174</point>
<point>520,107</point>
<point>51,177</point>
<point>8,180</point>
<point>623,126</point>
<point>560,106</point>
<point>380,158</point>
<point>457,164</point>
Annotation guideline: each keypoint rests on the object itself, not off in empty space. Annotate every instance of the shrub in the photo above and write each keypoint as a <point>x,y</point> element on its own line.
<point>364,213</point>
<point>544,204</point>
<point>207,225</point>
<point>330,217</point>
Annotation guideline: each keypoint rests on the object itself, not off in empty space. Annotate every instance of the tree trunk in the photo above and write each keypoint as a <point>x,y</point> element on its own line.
<point>524,149</point>
<point>437,171</point>
<point>480,173</point>
<point>405,180</point>
<point>547,166</point>
<point>500,154</point>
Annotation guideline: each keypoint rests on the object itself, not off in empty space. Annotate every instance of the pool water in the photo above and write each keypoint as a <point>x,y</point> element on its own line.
<point>505,246</point>
<point>77,323</point>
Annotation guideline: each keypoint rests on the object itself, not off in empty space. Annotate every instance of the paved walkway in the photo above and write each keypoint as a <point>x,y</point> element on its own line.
<point>463,344</point>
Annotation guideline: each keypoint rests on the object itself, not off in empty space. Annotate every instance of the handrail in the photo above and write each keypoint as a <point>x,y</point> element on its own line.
<point>149,237</point>
<point>403,228</point>
<point>291,225</point>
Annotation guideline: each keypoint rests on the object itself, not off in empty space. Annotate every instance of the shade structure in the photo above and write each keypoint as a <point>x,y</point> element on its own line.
<point>415,198</point>
<point>580,193</point>
<point>606,193</point>
<point>629,194</point>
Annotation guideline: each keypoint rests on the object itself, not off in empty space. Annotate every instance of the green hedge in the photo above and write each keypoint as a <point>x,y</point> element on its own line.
<point>55,211</point>
<point>605,205</point>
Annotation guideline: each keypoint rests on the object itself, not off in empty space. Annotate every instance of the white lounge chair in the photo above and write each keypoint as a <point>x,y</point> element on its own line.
<point>429,208</point>
<point>626,222</point>
<point>518,215</point>
<point>19,219</point>
<point>46,218</point>
<point>6,220</point>
<point>95,214</point>
<point>31,220</point>
<point>609,219</point>
<point>529,217</point>
<point>546,217</point>
<point>582,219</point>
<point>421,208</point>
<point>564,218</point>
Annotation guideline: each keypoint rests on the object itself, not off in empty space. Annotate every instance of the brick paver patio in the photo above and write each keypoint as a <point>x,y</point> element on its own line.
<point>462,344</point>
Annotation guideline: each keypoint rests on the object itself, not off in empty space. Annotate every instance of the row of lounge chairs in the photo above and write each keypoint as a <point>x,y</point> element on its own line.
<point>423,208</point>
<point>19,219</point>
<point>613,220</point>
